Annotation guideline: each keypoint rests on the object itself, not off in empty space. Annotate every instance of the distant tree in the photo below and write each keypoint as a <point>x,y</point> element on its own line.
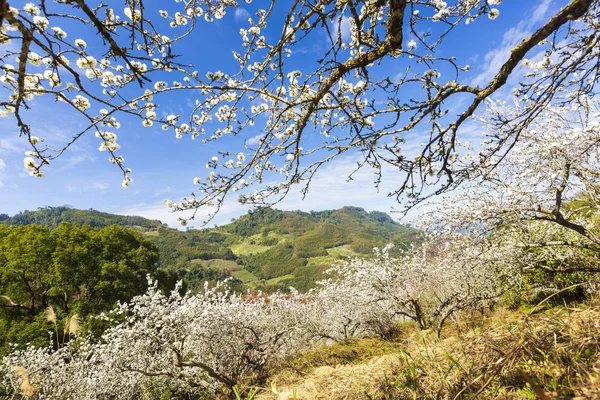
<point>25,259</point>
<point>53,216</point>
<point>350,98</point>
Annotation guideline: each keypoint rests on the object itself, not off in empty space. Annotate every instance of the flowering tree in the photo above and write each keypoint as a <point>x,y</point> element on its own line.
<point>349,304</point>
<point>426,284</point>
<point>350,99</point>
<point>543,197</point>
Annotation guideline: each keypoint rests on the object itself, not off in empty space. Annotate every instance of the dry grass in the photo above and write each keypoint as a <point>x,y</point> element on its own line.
<point>27,390</point>
<point>553,354</point>
<point>341,382</point>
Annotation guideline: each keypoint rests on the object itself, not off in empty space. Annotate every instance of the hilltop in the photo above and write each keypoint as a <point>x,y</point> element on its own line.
<point>53,216</point>
<point>266,248</point>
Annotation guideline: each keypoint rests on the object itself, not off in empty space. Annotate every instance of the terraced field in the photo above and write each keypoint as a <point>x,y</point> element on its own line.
<point>217,264</point>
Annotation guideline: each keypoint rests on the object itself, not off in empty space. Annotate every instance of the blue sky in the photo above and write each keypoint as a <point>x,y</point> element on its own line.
<point>164,167</point>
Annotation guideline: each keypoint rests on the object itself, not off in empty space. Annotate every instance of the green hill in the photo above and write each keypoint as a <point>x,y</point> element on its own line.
<point>266,248</point>
<point>284,248</point>
<point>53,216</point>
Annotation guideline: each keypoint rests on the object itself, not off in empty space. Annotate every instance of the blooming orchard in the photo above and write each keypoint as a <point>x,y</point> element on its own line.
<point>349,99</point>
<point>199,344</point>
<point>427,284</point>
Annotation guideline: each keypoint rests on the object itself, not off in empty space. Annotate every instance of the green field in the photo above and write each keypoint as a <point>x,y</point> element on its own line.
<point>216,263</point>
<point>244,249</point>
<point>280,279</point>
<point>244,275</point>
<point>343,251</point>
<point>335,254</point>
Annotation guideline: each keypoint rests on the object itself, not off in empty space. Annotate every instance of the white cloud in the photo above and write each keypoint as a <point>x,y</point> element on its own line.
<point>160,192</point>
<point>254,140</point>
<point>81,187</point>
<point>13,145</point>
<point>241,14</point>
<point>2,168</point>
<point>494,59</point>
<point>161,212</point>
<point>342,26</point>
<point>78,159</point>
<point>331,189</point>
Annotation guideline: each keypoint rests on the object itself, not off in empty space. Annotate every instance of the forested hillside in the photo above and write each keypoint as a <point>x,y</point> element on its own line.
<point>53,216</point>
<point>266,248</point>
<point>281,249</point>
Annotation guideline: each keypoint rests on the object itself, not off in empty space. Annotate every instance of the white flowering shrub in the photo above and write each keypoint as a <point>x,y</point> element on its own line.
<point>350,304</point>
<point>349,98</point>
<point>198,344</point>
<point>426,284</point>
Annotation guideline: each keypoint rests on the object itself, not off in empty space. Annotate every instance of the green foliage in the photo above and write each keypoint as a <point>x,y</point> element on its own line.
<point>272,243</point>
<point>175,246</point>
<point>247,248</point>
<point>304,278</point>
<point>53,216</point>
<point>254,221</point>
<point>277,261</point>
<point>539,283</point>
<point>74,269</point>
<point>315,242</point>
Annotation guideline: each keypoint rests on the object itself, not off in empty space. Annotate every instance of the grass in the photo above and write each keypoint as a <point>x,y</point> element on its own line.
<point>245,248</point>
<point>349,351</point>
<point>216,263</point>
<point>335,253</point>
<point>341,251</point>
<point>320,261</point>
<point>279,279</point>
<point>244,275</point>
<point>553,353</point>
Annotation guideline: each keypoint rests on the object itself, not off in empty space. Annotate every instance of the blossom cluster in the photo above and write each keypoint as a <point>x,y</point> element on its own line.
<point>74,73</point>
<point>135,66</point>
<point>543,196</point>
